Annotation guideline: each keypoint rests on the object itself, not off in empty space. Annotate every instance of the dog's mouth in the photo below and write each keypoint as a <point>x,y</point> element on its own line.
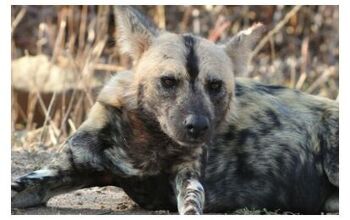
<point>184,140</point>
<point>191,143</point>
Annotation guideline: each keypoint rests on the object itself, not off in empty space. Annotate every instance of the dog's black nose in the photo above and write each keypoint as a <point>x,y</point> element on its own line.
<point>196,125</point>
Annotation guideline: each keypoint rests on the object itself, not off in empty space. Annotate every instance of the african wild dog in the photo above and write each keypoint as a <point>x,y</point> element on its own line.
<point>179,131</point>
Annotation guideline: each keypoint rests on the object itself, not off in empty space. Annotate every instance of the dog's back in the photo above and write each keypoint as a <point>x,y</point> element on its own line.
<point>272,152</point>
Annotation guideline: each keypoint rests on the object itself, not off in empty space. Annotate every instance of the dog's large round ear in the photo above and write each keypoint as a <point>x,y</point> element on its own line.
<point>240,47</point>
<point>135,32</point>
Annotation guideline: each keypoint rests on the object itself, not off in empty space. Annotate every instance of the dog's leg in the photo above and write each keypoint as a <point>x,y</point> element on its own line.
<point>37,187</point>
<point>82,164</point>
<point>189,192</point>
<point>79,166</point>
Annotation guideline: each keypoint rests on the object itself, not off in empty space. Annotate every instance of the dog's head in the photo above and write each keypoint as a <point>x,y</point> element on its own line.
<point>186,82</point>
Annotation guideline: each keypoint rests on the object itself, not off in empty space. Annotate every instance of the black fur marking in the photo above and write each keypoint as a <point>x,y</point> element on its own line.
<point>317,109</point>
<point>145,194</point>
<point>244,171</point>
<point>70,157</point>
<point>273,117</point>
<point>140,95</point>
<point>244,135</point>
<point>231,134</point>
<point>112,128</point>
<point>270,89</point>
<point>191,58</point>
<point>239,90</point>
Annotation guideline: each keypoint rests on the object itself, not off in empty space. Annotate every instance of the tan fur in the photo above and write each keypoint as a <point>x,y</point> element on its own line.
<point>119,91</point>
<point>97,118</point>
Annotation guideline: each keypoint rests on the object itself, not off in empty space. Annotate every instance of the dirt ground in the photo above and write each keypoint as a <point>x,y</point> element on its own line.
<point>92,201</point>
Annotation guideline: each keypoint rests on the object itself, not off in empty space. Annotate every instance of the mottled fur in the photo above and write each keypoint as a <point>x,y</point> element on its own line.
<point>180,132</point>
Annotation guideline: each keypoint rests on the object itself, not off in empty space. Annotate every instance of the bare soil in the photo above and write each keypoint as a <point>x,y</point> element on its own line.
<point>91,201</point>
<point>108,200</point>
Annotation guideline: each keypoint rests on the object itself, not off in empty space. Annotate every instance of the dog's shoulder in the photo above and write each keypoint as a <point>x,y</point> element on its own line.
<point>119,91</point>
<point>116,96</point>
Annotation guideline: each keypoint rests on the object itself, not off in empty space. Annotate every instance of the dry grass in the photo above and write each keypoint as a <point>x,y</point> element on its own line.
<point>62,54</point>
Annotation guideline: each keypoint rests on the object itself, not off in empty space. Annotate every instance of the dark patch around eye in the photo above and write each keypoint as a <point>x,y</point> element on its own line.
<point>214,86</point>
<point>169,82</point>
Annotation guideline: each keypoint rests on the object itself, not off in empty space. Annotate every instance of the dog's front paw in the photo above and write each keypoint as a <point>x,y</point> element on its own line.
<point>28,197</point>
<point>31,189</point>
<point>191,207</point>
<point>192,211</point>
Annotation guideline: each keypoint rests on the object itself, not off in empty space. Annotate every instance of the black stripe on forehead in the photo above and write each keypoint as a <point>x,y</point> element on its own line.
<point>191,57</point>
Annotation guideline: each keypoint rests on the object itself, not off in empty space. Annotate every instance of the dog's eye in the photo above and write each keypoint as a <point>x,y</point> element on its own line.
<point>168,82</point>
<point>214,86</point>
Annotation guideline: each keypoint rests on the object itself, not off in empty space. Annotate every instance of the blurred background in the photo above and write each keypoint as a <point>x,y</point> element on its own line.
<point>62,55</point>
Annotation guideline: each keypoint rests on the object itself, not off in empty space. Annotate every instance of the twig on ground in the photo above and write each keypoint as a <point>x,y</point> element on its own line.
<point>68,111</point>
<point>47,114</point>
<point>32,100</point>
